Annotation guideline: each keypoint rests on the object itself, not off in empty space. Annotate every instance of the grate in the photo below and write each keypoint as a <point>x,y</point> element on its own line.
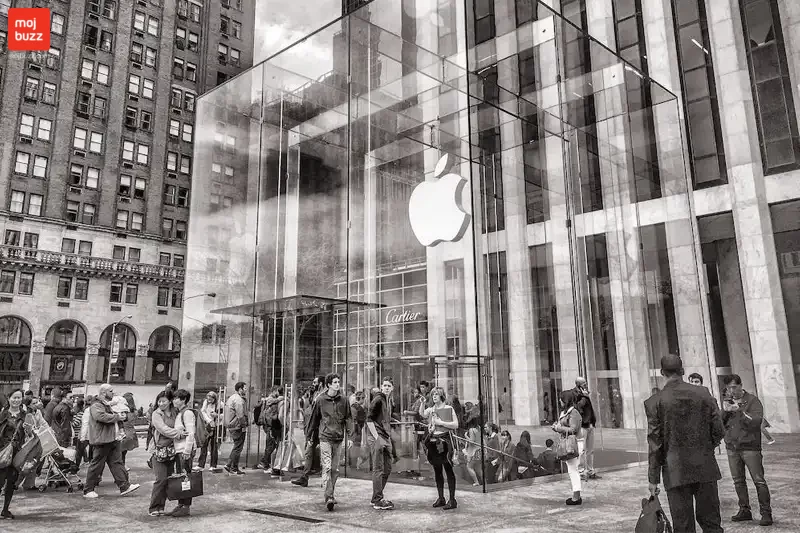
<point>286,515</point>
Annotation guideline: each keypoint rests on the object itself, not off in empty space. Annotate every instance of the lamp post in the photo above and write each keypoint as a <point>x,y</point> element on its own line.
<point>209,294</point>
<point>112,357</point>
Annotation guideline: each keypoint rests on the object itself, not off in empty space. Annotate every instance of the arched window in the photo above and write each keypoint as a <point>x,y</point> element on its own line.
<point>15,351</point>
<point>163,355</point>
<point>65,353</point>
<point>122,369</point>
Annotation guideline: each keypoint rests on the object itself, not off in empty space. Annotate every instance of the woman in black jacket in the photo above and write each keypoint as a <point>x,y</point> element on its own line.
<point>11,431</point>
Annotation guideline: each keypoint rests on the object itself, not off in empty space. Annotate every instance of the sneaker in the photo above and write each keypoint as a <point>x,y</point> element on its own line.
<point>228,469</point>
<point>158,512</point>
<point>452,504</point>
<point>261,466</point>
<point>570,501</point>
<point>771,441</point>
<point>131,488</point>
<point>766,520</point>
<point>440,502</point>
<point>742,516</point>
<point>91,494</point>
<point>330,503</point>
<point>300,482</point>
<point>383,505</point>
<point>180,511</point>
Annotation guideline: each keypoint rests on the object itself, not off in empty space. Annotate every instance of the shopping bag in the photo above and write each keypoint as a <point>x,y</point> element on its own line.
<point>6,456</point>
<point>185,486</point>
<point>47,439</point>
<point>28,456</point>
<point>652,519</point>
<point>567,448</point>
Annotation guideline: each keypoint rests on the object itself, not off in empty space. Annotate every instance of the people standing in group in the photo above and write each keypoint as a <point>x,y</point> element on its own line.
<point>583,404</point>
<point>684,429</point>
<point>236,422</point>
<point>742,416</point>
<point>130,441</point>
<point>61,423</point>
<point>379,441</point>
<point>77,419</point>
<point>185,445</point>
<point>442,421</point>
<point>12,419</point>
<point>317,388</point>
<point>331,425</point>
<point>103,426</point>
<point>164,461</point>
<point>209,412</point>
<point>271,421</point>
<point>570,423</point>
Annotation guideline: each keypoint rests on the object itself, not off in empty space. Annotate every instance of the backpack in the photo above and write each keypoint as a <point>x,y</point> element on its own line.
<point>652,518</point>
<point>270,415</point>
<point>201,432</point>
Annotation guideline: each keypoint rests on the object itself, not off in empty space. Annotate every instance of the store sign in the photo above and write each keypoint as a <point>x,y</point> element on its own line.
<point>435,208</point>
<point>394,316</point>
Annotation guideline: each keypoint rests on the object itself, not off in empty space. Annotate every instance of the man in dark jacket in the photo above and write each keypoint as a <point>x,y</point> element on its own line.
<point>55,399</point>
<point>379,441</point>
<point>683,429</point>
<point>330,424</point>
<point>585,408</point>
<point>62,421</point>
<point>548,459</point>
<point>103,433</point>
<point>271,421</point>
<point>742,415</point>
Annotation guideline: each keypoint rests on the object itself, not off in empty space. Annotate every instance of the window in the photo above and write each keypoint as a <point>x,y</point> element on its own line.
<point>12,239</point>
<point>53,58</point>
<point>64,287</point>
<point>137,52</point>
<point>40,166</point>
<point>44,129</point>
<point>91,35</point>
<point>484,20</point>
<point>31,240</point>
<point>224,22</point>
<point>87,69</point>
<point>134,254</point>
<point>49,93</point>
<point>127,150</point>
<point>85,248</point>
<point>143,154</point>
<point>81,289</point>
<point>150,57</point>
<point>26,125</point>
<point>186,164</point>
<point>102,73</point>
<point>99,108</point>
<point>125,185</point>
<point>92,177</point>
<point>89,212</point>
<point>152,26</point>
<point>137,221</point>
<point>183,197</point>
<point>188,101</point>
<point>31,88</point>
<point>145,120</point>
<point>235,57</point>
<point>147,89</point>
<point>222,53</point>
<point>174,128</point>
<point>163,297</point>
<point>139,188</point>
<point>35,204</point>
<point>4,5</point>
<point>177,67</point>
<point>195,12</point>
<point>180,38</point>
<point>75,175</point>
<point>7,281</point>
<point>130,116</point>
<point>79,139</point>
<point>236,29</point>
<point>170,192</point>
<point>122,219</point>
<point>25,283</point>
<point>194,42</point>
<point>115,295</point>
<point>96,143</point>
<point>84,103</point>
<point>131,293</point>
<point>138,21</point>
<point>221,77</point>
<point>67,246</point>
<point>72,211</point>
<point>176,98</point>
<point>22,163</point>
<point>57,24</point>
<point>118,253</point>
<point>164,259</point>
<point>188,130</point>
<point>109,9</point>
<point>166,228</point>
<point>228,174</point>
<point>106,41</point>
<point>17,203</point>
<point>134,84</point>
<point>771,86</point>
<point>177,298</point>
<point>172,161</point>
<point>191,71</point>
<point>178,261</point>
<point>180,230</point>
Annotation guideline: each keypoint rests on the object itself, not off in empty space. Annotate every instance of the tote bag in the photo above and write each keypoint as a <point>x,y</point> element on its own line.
<point>6,456</point>
<point>567,448</point>
<point>186,486</point>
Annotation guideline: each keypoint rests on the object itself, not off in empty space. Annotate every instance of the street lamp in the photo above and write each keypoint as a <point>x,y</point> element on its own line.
<point>112,355</point>
<point>209,294</point>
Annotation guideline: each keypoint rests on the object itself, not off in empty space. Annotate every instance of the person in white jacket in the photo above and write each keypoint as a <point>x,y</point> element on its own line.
<point>185,445</point>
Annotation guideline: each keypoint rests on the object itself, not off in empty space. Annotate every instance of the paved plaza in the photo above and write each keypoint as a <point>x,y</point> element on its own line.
<point>610,505</point>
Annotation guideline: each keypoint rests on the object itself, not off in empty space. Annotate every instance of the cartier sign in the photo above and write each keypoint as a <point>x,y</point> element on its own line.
<point>394,316</point>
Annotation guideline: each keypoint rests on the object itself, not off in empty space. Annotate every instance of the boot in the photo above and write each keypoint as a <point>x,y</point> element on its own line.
<point>742,516</point>
<point>766,520</point>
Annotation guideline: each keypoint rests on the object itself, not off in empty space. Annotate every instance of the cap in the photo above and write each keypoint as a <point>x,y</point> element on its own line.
<point>671,363</point>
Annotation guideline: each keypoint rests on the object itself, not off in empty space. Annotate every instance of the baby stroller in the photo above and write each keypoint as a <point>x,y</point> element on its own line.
<point>59,468</point>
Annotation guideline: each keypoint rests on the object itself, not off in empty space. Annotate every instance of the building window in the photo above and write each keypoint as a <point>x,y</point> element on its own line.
<point>177,67</point>
<point>22,163</point>
<point>178,261</point>
<point>484,21</point>
<point>35,204</point>
<point>87,69</point>
<point>166,228</point>
<point>25,283</point>
<point>103,72</point>
<point>148,86</point>
<point>191,71</point>
<point>177,298</point>
<point>31,240</point>
<point>138,21</point>
<point>131,293</point>
<point>92,177</point>
<point>188,101</point>
<point>169,194</point>
<point>99,109</point>
<point>143,154</point>
<point>174,128</point>
<point>127,150</point>
<point>139,186</point>
<point>163,297</point>
<point>222,53</point>
<point>109,9</point>
<point>67,246</point>
<point>195,12</point>
<point>44,129</point>
<point>26,125</point>
<point>180,230</point>
<point>186,164</point>
<point>236,29</point>
<point>125,185</point>
<point>12,239</point>
<point>771,86</point>
<point>31,89</point>
<point>79,139</point>
<point>137,52</point>
<point>118,253</point>
<point>40,166</point>
<point>137,221</point>
<point>150,57</point>
<point>49,93</point>
<point>115,294</point>
<point>188,131</point>
<point>89,212</point>
<point>81,289</point>
<point>163,258</point>
<point>152,26</point>
<point>122,219</point>
<point>64,287</point>
<point>194,42</point>
<point>85,248</point>
<point>183,197</point>
<point>17,203</point>
<point>7,281</point>
<point>235,57</point>
<point>72,211</point>
<point>172,161</point>
<point>134,255</point>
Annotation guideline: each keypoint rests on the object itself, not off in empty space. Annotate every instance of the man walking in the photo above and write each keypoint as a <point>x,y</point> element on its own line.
<point>585,408</point>
<point>317,389</point>
<point>683,429</point>
<point>331,423</point>
<point>272,424</point>
<point>379,441</point>
<point>236,422</point>
<point>742,415</point>
<point>107,449</point>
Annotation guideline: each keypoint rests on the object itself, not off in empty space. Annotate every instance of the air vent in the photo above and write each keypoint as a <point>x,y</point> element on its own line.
<point>172,175</point>
<point>142,3</point>
<point>82,114</point>
<point>25,140</point>
<point>9,299</point>
<point>124,200</point>
<point>34,66</point>
<point>116,308</point>
<point>90,49</point>
<point>160,311</point>
<point>133,97</point>
<point>137,65</point>
<point>72,228</point>
<point>63,304</point>
<point>93,16</point>
<point>79,153</point>
<point>139,34</point>
<point>87,84</point>
<point>176,111</point>
<point>75,190</point>
<point>127,165</point>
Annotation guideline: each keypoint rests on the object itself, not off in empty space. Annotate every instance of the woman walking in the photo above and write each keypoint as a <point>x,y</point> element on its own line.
<point>130,441</point>
<point>164,434</point>
<point>185,444</point>
<point>569,423</point>
<point>439,445</point>
<point>209,413</point>
<point>11,432</point>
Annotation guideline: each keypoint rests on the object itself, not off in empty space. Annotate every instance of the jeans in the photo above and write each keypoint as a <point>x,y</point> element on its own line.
<point>209,445</point>
<point>753,460</point>
<point>8,479</point>
<point>107,454</point>
<point>573,468</point>
<point>158,498</point>
<point>270,446</point>
<point>308,456</point>
<point>700,499</point>
<point>381,466</point>
<point>586,464</point>
<point>238,436</point>
<point>81,452</point>
<point>330,457</point>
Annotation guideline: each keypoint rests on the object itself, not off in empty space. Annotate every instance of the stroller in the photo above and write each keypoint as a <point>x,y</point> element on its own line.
<point>59,468</point>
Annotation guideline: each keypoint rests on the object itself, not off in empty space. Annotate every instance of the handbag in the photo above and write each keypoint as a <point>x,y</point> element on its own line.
<point>6,456</point>
<point>164,454</point>
<point>567,448</point>
<point>186,486</point>
<point>28,456</point>
<point>652,519</point>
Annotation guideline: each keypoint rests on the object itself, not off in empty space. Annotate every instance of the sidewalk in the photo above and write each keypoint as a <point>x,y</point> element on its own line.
<point>611,504</point>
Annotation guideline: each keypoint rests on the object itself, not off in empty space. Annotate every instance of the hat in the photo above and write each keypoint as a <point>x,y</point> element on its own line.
<point>672,363</point>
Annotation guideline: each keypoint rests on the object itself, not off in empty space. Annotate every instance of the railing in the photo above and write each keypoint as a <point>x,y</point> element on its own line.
<point>48,259</point>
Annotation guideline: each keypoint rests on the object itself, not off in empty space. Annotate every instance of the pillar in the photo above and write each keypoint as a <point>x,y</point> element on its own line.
<point>37,365</point>
<point>140,365</point>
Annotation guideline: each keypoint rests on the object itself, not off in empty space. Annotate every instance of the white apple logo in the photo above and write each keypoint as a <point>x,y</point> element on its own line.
<point>435,208</point>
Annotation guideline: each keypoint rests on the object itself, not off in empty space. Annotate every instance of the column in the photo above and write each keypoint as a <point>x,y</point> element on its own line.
<point>140,366</point>
<point>91,362</point>
<point>37,365</point>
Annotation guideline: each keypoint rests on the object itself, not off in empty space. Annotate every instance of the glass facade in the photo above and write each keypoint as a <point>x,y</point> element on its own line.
<point>409,201</point>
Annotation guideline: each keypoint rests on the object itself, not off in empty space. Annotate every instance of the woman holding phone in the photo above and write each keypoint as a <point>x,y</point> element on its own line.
<point>442,420</point>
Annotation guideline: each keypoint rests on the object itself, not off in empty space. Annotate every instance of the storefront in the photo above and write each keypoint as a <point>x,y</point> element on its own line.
<point>405,202</point>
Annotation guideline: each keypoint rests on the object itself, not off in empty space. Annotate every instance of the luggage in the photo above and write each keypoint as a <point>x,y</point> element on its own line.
<point>652,519</point>
<point>186,486</point>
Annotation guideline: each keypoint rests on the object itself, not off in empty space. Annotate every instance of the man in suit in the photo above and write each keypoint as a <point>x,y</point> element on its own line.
<point>684,427</point>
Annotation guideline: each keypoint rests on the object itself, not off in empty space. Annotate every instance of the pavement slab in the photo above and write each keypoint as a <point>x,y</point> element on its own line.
<point>611,505</point>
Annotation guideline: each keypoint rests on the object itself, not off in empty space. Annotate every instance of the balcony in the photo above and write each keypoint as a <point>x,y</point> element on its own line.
<point>98,267</point>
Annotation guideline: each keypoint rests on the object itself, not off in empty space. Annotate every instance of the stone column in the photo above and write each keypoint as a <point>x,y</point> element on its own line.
<point>37,365</point>
<point>734,313</point>
<point>140,365</point>
<point>91,362</point>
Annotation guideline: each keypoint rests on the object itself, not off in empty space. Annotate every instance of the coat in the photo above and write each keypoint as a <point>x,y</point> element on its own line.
<point>684,427</point>
<point>11,430</point>
<point>62,424</point>
<point>102,423</point>
<point>743,427</point>
<point>330,418</point>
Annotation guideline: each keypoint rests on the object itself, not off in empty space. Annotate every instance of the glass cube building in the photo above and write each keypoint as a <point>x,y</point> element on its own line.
<point>495,203</point>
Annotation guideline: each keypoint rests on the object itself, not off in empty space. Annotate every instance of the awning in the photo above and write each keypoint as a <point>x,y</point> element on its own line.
<point>300,304</point>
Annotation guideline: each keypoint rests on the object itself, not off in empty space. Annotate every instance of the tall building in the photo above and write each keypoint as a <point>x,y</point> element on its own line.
<point>95,179</point>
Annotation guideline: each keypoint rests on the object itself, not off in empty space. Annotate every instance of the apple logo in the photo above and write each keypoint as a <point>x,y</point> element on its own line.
<point>435,208</point>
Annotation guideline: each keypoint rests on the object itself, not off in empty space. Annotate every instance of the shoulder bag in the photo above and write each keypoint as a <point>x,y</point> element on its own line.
<point>567,447</point>
<point>6,455</point>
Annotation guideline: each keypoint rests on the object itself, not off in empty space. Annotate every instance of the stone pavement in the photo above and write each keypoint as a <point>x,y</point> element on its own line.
<point>611,504</point>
